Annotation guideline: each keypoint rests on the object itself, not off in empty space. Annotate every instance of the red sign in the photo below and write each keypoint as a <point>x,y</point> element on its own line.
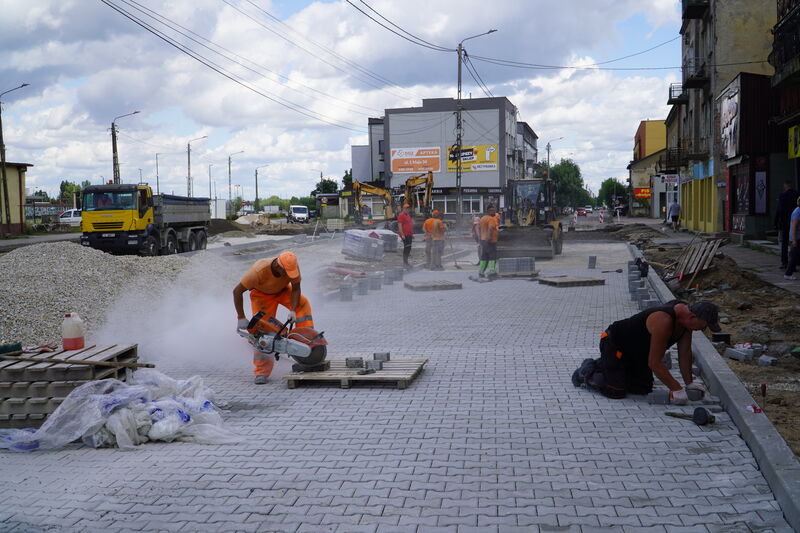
<point>643,192</point>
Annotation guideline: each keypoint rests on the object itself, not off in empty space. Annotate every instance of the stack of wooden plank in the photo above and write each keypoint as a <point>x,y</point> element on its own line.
<point>696,258</point>
<point>29,390</point>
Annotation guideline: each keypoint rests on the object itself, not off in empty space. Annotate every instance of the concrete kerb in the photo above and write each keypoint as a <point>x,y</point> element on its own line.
<point>776,460</point>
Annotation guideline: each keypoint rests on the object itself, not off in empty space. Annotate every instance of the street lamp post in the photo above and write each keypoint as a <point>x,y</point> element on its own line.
<point>209,179</point>
<point>3,163</point>
<point>114,144</point>
<point>255,203</point>
<point>459,130</point>
<point>229,174</point>
<point>189,164</point>
<point>548,154</point>
<point>157,187</point>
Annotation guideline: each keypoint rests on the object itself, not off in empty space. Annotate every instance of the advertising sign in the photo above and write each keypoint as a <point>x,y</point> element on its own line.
<point>729,120</point>
<point>669,178</point>
<point>641,192</point>
<point>416,159</point>
<point>794,142</point>
<point>479,158</point>
<point>640,180</point>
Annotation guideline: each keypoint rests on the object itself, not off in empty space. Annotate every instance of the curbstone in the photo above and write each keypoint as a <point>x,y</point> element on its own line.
<point>353,362</point>
<point>743,355</point>
<point>766,360</point>
<point>381,356</point>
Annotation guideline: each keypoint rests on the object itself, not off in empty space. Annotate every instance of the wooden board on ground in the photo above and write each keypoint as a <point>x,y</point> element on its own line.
<point>572,281</point>
<point>402,371</point>
<point>435,285</point>
<point>31,371</point>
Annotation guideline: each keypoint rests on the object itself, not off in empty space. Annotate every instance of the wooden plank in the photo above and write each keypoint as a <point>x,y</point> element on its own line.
<point>572,281</point>
<point>711,255</point>
<point>31,371</point>
<point>687,260</point>
<point>698,258</point>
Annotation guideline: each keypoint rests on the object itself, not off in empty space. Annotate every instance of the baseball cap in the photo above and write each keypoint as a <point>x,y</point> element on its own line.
<point>708,312</point>
<point>288,261</point>
<point>406,205</point>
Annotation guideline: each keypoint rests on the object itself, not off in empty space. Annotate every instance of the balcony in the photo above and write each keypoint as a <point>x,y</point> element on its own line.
<point>695,73</point>
<point>695,148</point>
<point>695,9</point>
<point>785,55</point>
<point>677,96</point>
<point>672,160</point>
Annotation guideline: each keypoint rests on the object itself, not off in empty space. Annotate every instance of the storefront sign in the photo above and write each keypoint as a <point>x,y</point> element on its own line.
<point>794,142</point>
<point>479,158</point>
<point>729,120</point>
<point>640,180</point>
<point>738,223</point>
<point>669,178</point>
<point>641,192</point>
<point>416,159</point>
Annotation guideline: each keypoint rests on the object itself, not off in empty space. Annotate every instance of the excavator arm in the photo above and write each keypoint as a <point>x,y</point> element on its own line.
<point>365,188</point>
<point>415,181</point>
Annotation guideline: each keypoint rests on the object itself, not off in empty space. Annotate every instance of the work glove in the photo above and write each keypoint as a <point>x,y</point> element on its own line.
<point>698,386</point>
<point>241,324</point>
<point>678,397</point>
<point>292,316</point>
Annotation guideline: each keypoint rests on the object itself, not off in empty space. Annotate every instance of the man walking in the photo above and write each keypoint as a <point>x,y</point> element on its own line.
<point>427,227</point>
<point>437,232</point>
<point>489,229</point>
<point>794,235</point>
<point>405,228</point>
<point>786,205</point>
<point>674,213</point>
<point>272,282</point>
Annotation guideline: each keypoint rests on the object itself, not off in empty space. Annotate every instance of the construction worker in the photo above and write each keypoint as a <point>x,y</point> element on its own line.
<point>426,228</point>
<point>489,229</point>
<point>632,350</point>
<point>271,282</point>
<point>437,231</point>
<point>405,227</point>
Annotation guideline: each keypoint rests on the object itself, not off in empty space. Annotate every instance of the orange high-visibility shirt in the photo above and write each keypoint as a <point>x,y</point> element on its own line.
<point>487,223</point>
<point>438,229</point>
<point>427,228</point>
<point>260,277</point>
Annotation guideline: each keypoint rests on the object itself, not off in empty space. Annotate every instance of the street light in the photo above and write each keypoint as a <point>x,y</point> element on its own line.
<point>548,154</point>
<point>459,130</point>
<point>255,203</point>
<point>3,163</point>
<point>229,173</point>
<point>189,164</point>
<point>209,179</point>
<point>114,144</point>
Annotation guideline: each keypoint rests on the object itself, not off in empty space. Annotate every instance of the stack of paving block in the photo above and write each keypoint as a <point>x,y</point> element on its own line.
<point>516,266</point>
<point>359,244</point>
<point>29,391</point>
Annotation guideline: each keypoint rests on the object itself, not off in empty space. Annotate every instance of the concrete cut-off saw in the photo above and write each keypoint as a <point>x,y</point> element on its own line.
<point>307,346</point>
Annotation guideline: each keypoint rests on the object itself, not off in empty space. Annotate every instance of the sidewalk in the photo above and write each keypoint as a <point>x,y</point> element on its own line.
<point>492,437</point>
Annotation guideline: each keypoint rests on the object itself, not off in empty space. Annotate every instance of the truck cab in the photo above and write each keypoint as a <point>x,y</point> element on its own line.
<point>298,213</point>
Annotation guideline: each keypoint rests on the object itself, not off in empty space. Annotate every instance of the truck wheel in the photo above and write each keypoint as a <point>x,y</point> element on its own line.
<point>150,247</point>
<point>171,246</point>
<point>202,240</point>
<point>191,243</point>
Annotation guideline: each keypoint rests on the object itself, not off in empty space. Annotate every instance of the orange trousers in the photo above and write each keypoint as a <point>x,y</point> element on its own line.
<point>268,303</point>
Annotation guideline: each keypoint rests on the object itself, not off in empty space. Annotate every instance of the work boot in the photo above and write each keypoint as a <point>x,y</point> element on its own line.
<point>260,380</point>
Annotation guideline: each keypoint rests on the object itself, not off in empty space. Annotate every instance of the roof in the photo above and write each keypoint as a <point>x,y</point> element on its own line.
<point>10,164</point>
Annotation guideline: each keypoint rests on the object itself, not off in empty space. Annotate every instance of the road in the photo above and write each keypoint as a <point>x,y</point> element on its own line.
<point>491,437</point>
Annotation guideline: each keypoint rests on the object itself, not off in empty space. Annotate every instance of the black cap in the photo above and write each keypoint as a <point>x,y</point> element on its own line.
<point>708,312</point>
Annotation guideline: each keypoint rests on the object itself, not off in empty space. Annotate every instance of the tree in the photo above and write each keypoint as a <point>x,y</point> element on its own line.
<point>325,186</point>
<point>41,196</point>
<point>347,180</point>
<point>66,190</point>
<point>570,189</point>
<point>308,201</point>
<point>609,188</point>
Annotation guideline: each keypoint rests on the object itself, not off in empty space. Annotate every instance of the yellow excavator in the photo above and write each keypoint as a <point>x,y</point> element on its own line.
<point>365,188</point>
<point>411,197</point>
<point>533,230</point>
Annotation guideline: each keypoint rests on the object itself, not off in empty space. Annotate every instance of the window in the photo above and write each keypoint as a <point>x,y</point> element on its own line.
<point>471,205</point>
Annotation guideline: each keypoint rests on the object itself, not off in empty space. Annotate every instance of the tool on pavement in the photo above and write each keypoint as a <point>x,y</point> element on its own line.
<point>307,346</point>
<point>617,271</point>
<point>701,416</point>
<point>763,395</point>
<point>17,356</point>
<point>452,251</point>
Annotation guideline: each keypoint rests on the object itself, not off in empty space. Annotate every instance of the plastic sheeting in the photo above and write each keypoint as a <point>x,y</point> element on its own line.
<point>359,244</point>
<point>108,413</point>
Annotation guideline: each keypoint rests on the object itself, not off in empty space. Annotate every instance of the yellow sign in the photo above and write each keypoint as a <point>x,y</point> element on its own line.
<point>479,158</point>
<point>794,142</point>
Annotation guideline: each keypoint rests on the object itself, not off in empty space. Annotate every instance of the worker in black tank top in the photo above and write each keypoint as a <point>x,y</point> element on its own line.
<point>632,350</point>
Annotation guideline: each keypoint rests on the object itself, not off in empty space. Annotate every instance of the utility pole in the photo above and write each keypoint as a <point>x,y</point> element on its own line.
<point>209,179</point>
<point>3,165</point>
<point>157,191</point>
<point>255,204</point>
<point>189,164</point>
<point>114,145</point>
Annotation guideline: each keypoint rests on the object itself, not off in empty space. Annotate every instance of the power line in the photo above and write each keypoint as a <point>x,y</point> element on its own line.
<point>473,72</point>
<point>222,71</point>
<point>416,40</point>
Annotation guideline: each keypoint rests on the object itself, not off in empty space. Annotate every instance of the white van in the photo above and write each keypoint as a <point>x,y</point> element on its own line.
<point>298,213</point>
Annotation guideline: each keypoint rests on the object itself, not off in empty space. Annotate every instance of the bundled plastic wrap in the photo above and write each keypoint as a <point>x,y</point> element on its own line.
<point>391,240</point>
<point>108,413</point>
<point>359,244</point>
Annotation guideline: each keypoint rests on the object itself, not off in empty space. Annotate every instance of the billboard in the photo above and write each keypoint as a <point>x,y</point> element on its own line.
<point>641,192</point>
<point>794,142</point>
<point>478,158</point>
<point>729,120</point>
<point>416,159</point>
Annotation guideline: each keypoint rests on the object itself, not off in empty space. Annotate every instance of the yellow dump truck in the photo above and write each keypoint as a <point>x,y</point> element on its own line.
<point>126,218</point>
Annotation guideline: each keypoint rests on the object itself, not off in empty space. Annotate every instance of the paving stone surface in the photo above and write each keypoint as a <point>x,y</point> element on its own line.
<point>491,437</point>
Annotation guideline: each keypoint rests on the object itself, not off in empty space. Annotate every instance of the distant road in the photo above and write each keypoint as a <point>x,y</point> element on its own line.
<point>7,245</point>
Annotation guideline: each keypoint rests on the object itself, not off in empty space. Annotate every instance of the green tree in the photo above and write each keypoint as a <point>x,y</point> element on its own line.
<point>274,200</point>
<point>66,190</point>
<point>570,189</point>
<point>609,188</point>
<point>347,180</point>
<point>42,196</point>
<point>308,201</point>
<point>325,185</point>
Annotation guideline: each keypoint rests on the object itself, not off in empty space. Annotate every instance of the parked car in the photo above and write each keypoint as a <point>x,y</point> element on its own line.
<point>581,212</point>
<point>588,209</point>
<point>71,217</point>
<point>298,214</point>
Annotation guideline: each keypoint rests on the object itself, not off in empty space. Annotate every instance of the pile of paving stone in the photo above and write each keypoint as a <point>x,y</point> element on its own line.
<point>42,282</point>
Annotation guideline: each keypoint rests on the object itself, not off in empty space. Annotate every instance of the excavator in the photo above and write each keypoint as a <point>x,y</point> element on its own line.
<point>533,230</point>
<point>365,188</point>
<point>411,196</point>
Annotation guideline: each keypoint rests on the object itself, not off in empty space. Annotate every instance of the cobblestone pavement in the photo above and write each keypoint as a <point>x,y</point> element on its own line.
<point>491,437</point>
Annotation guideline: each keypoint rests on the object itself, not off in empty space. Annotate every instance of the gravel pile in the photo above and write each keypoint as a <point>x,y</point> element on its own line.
<point>42,282</point>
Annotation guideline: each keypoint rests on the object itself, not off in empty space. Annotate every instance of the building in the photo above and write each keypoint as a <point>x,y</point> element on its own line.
<point>649,190</point>
<point>414,140</point>
<point>720,39</point>
<point>15,210</point>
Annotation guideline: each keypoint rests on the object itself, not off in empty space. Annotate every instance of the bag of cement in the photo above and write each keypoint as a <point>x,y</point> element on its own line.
<point>359,244</point>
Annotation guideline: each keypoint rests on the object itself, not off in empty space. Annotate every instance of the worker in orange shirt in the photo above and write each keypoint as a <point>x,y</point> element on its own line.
<point>271,282</point>
<point>426,228</point>
<point>489,229</point>
<point>437,232</point>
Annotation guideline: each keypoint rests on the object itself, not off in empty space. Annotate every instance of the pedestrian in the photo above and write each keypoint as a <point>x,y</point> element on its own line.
<point>405,228</point>
<point>438,230</point>
<point>794,237</point>
<point>426,228</point>
<point>674,213</point>
<point>271,282</point>
<point>786,205</point>
<point>489,230</point>
<point>632,350</point>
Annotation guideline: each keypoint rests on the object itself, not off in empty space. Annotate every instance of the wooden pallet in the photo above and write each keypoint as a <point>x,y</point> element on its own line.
<point>401,371</point>
<point>31,372</point>
<point>696,258</point>
<point>572,281</point>
<point>435,285</point>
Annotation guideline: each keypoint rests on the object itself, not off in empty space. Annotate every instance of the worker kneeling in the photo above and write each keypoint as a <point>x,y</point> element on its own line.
<point>632,350</point>
<point>272,282</point>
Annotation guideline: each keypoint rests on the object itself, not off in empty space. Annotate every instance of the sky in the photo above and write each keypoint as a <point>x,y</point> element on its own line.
<point>291,84</point>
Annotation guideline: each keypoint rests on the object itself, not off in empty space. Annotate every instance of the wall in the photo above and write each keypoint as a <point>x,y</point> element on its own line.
<point>15,176</point>
<point>377,167</point>
<point>360,162</point>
